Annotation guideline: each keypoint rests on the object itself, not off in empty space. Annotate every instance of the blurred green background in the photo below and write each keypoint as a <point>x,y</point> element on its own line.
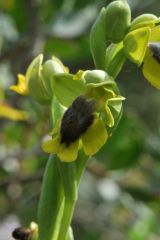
<point>119,196</point>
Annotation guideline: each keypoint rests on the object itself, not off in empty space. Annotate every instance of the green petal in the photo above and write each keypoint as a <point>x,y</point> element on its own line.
<point>109,93</point>
<point>115,106</point>
<point>52,146</point>
<point>135,44</point>
<point>108,116</point>
<point>68,154</point>
<point>116,103</point>
<point>151,70</point>
<point>95,137</point>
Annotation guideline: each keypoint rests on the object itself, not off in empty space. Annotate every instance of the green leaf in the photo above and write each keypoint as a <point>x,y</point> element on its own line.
<point>115,59</point>
<point>98,41</point>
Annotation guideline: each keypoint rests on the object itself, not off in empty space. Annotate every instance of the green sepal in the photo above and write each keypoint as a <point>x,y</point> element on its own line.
<point>117,20</point>
<point>115,59</point>
<point>144,20</point>
<point>66,89</point>
<point>98,40</point>
<point>115,106</point>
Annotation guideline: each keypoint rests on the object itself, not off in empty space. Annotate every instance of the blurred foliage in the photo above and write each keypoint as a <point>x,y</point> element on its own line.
<point>119,194</point>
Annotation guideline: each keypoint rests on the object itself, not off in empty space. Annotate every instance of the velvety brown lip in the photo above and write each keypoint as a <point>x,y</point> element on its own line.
<point>76,120</point>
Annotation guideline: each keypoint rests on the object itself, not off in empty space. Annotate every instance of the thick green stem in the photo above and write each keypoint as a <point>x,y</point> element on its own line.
<point>67,217</point>
<point>71,174</point>
<point>51,202</point>
<point>80,165</point>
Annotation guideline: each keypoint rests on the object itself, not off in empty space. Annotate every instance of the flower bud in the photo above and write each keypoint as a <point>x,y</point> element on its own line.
<point>40,78</point>
<point>117,17</point>
<point>36,84</point>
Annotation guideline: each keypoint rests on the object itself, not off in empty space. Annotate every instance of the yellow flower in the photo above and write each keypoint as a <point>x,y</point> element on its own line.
<point>151,66</point>
<point>79,127</point>
<point>22,86</point>
<point>142,46</point>
<point>90,117</point>
<point>8,112</point>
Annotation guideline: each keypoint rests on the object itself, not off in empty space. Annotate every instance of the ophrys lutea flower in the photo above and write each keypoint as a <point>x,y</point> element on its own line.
<point>79,127</point>
<point>88,121</point>
<point>142,47</point>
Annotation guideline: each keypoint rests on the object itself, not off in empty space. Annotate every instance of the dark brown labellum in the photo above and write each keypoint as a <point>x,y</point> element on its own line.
<point>76,120</point>
<point>21,233</point>
<point>155,48</point>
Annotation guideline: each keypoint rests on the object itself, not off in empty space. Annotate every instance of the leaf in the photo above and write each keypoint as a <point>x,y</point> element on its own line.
<point>98,41</point>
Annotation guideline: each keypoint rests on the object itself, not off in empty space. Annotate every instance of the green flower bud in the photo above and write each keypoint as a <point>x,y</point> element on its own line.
<point>40,78</point>
<point>144,20</point>
<point>49,68</point>
<point>36,84</point>
<point>118,17</point>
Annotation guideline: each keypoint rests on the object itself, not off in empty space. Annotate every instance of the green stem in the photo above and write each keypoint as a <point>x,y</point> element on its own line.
<point>51,202</point>
<point>70,178</point>
<point>80,165</point>
<point>67,217</point>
